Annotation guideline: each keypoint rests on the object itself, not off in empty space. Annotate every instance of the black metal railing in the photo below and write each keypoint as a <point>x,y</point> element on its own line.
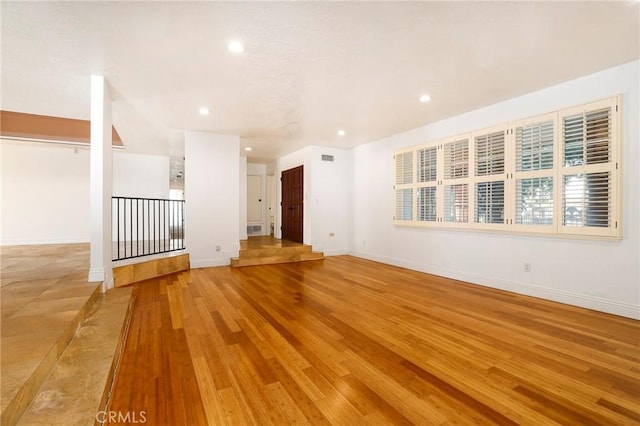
<point>146,226</point>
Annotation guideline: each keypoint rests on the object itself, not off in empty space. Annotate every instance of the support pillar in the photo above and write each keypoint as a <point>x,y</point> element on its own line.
<point>100,184</point>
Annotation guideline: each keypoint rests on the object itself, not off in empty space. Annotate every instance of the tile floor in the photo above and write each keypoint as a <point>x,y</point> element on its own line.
<point>72,393</point>
<point>44,296</point>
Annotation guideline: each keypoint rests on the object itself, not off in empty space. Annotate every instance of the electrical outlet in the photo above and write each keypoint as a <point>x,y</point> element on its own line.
<point>217,248</point>
<point>526,267</point>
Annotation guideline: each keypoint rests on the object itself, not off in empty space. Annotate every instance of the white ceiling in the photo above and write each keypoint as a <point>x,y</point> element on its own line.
<point>308,69</point>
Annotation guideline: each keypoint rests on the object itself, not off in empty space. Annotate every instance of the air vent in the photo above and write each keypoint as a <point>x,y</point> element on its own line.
<point>254,229</point>
<point>327,157</point>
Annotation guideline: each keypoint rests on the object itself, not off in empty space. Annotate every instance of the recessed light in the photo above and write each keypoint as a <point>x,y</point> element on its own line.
<point>341,132</point>
<point>204,111</point>
<point>425,98</point>
<point>235,46</point>
<point>248,148</point>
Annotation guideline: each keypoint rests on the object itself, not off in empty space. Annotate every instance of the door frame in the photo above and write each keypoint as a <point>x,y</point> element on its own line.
<point>262,222</point>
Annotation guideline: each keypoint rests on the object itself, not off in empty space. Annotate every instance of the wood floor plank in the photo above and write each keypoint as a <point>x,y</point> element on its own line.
<point>351,341</point>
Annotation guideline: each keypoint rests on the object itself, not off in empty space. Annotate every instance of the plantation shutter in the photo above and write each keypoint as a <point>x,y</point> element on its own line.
<point>489,176</point>
<point>589,172</point>
<point>455,184</point>
<point>427,173</point>
<point>403,190</point>
<point>427,164</point>
<point>404,168</point>
<point>553,174</point>
<point>535,149</point>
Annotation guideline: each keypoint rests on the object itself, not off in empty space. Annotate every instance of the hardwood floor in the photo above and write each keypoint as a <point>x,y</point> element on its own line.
<point>347,341</point>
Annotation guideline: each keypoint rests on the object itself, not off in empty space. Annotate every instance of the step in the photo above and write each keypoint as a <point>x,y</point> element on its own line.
<point>76,389</point>
<point>20,387</point>
<point>274,251</point>
<point>146,269</point>
<point>275,259</point>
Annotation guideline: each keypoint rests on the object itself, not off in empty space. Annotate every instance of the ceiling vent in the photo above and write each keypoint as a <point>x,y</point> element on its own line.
<point>327,157</point>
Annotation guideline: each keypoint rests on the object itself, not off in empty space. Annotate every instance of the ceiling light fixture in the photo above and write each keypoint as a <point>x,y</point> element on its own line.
<point>425,98</point>
<point>204,111</point>
<point>235,46</point>
<point>248,148</point>
<point>341,132</point>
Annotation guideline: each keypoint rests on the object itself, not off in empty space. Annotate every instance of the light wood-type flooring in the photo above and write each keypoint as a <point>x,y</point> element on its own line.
<point>347,341</point>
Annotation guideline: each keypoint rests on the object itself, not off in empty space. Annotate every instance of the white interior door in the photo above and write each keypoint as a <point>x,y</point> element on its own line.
<point>254,199</point>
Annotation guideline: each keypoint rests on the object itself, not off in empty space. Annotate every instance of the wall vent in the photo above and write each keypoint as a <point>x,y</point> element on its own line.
<point>327,157</point>
<point>254,229</point>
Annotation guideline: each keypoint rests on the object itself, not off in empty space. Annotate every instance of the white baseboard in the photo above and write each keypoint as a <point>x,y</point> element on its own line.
<point>96,275</point>
<point>335,252</point>
<point>208,263</point>
<point>108,285</point>
<point>43,242</point>
<point>570,298</point>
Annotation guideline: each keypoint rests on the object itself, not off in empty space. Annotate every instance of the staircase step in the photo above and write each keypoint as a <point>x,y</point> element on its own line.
<point>272,260</point>
<point>78,385</point>
<point>147,269</point>
<point>16,402</point>
<point>274,251</point>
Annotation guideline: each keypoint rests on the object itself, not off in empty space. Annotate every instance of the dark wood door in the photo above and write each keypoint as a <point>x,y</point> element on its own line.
<point>292,204</point>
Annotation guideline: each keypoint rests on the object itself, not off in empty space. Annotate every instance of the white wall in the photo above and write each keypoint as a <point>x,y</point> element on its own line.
<point>330,200</point>
<point>45,193</point>
<point>137,175</point>
<point>212,192</point>
<point>326,197</point>
<point>243,198</point>
<point>602,275</point>
<point>45,189</point>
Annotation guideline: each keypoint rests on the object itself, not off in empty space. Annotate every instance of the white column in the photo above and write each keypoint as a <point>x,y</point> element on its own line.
<point>243,198</point>
<point>212,192</point>
<point>100,183</point>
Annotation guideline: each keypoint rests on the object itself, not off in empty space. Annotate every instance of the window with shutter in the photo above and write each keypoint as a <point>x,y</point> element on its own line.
<point>404,204</point>
<point>489,177</point>
<point>427,205</point>
<point>455,183</point>
<point>456,159</point>
<point>534,201</point>
<point>535,144</point>
<point>427,171</point>
<point>403,209</point>
<point>456,203</point>
<point>589,172</point>
<point>490,202</point>
<point>404,168</point>
<point>554,174</point>
<point>427,164</point>
<point>586,200</point>
<point>427,174</point>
